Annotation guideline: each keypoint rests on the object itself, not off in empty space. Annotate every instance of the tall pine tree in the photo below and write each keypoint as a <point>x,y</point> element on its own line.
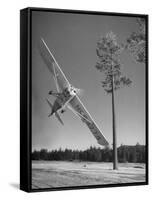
<point>108,52</point>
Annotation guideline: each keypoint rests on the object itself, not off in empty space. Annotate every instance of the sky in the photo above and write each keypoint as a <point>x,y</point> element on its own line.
<point>72,38</point>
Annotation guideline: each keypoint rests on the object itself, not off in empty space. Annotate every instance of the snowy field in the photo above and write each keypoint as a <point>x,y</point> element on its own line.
<point>50,174</point>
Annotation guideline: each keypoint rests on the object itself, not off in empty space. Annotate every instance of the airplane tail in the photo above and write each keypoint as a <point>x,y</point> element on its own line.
<point>56,113</point>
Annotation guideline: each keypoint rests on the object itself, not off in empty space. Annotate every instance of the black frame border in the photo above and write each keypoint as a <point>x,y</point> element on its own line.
<point>26,100</point>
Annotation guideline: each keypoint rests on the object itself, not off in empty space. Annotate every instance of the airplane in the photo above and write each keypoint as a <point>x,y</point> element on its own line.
<point>67,95</point>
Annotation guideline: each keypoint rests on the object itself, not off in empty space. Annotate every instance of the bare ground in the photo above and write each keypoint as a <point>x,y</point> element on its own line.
<point>52,174</point>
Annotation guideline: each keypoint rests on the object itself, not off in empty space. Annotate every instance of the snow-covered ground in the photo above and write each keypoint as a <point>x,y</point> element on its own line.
<point>50,174</point>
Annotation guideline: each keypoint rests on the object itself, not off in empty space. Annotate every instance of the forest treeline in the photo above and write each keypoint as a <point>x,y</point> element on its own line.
<point>135,154</point>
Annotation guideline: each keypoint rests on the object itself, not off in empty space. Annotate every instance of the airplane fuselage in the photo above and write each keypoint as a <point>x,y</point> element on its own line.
<point>62,99</point>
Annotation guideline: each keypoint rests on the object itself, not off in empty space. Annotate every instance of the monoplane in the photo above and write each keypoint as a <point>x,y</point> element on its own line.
<point>67,96</point>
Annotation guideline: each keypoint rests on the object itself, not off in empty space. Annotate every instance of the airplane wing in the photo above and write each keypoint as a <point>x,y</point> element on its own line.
<point>78,108</point>
<point>58,75</point>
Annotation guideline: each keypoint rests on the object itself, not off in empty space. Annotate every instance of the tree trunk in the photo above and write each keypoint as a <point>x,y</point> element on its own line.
<point>115,159</point>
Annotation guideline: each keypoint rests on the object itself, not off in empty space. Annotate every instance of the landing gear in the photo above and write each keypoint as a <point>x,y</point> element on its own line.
<point>55,94</point>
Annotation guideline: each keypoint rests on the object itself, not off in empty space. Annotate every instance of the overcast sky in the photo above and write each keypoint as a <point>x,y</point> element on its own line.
<point>72,38</point>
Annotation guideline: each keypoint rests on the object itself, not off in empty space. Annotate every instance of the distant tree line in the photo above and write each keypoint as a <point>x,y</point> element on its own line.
<point>135,154</point>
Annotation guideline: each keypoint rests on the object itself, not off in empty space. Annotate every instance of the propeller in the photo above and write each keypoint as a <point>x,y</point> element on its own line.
<point>75,91</point>
<point>79,92</point>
